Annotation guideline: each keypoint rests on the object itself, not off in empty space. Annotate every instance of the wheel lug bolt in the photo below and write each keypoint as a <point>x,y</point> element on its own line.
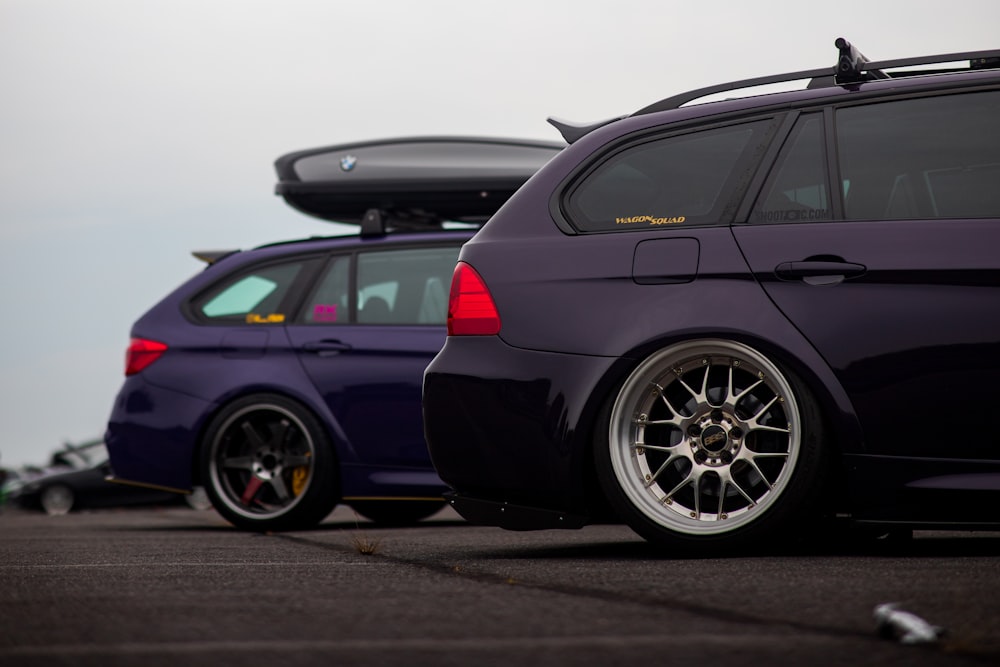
<point>700,456</point>
<point>727,456</point>
<point>694,430</point>
<point>735,432</point>
<point>717,416</point>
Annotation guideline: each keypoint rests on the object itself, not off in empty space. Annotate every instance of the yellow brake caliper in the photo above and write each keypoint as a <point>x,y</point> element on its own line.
<point>300,476</point>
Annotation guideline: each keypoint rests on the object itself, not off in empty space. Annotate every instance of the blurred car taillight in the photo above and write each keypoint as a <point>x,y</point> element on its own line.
<point>471,311</point>
<point>141,353</point>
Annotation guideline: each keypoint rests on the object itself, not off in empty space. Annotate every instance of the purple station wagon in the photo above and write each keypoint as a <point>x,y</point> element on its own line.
<point>724,322</point>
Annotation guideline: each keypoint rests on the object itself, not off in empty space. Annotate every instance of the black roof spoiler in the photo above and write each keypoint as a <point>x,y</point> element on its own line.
<point>852,67</point>
<point>212,256</point>
<point>572,131</point>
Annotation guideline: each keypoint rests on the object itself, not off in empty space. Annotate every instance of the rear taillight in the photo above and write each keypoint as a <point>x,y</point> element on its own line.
<point>471,311</point>
<point>141,353</point>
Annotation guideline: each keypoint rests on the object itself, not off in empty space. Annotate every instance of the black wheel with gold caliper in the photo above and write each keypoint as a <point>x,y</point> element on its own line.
<point>267,464</point>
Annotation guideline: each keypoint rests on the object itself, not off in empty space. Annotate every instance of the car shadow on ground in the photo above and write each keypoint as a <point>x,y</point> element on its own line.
<point>923,545</point>
<point>846,543</point>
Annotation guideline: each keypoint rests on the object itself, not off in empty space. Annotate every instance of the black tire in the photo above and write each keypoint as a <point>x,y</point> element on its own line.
<point>397,512</point>
<point>268,464</point>
<point>709,447</point>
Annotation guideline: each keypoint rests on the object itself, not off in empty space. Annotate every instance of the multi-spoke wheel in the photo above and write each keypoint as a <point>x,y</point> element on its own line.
<point>267,464</point>
<point>709,444</point>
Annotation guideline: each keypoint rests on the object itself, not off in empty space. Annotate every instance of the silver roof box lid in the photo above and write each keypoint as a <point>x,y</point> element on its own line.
<point>414,183</point>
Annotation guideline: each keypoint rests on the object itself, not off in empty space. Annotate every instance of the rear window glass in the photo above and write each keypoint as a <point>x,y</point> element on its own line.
<point>677,180</point>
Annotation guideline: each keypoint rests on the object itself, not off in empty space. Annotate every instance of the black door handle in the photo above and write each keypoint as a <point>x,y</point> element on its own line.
<point>819,272</point>
<point>326,348</point>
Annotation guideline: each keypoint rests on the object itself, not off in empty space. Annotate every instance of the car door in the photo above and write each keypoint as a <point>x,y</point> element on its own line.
<point>368,329</point>
<point>895,279</point>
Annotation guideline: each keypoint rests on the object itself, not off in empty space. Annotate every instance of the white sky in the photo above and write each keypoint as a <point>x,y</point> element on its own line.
<point>135,131</point>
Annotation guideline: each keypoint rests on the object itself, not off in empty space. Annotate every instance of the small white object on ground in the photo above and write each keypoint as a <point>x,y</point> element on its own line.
<point>907,628</point>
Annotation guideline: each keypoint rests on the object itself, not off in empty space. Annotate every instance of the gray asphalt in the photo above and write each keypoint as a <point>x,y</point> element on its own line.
<point>181,587</point>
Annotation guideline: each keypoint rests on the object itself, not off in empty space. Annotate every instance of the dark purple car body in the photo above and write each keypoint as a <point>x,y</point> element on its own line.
<point>727,319</point>
<point>287,378</point>
<point>361,379</point>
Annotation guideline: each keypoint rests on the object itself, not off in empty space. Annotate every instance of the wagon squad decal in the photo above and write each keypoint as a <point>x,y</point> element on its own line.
<point>272,318</point>
<point>649,220</point>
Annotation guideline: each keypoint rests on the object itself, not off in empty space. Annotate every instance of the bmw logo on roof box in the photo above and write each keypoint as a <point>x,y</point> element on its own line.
<point>347,162</point>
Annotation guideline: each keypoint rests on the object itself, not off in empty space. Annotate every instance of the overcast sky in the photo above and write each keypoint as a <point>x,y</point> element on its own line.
<point>133,132</point>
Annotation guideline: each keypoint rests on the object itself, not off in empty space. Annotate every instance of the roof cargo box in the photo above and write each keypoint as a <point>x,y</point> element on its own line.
<point>416,182</point>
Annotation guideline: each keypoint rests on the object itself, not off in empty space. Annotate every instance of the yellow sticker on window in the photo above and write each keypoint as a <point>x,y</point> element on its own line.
<point>650,220</point>
<point>271,318</point>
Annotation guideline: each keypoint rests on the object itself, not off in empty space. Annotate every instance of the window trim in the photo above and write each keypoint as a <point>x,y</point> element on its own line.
<point>834,194</point>
<point>299,312</point>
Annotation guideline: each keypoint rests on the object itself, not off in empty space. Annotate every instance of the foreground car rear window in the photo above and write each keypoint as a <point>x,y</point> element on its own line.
<point>676,180</point>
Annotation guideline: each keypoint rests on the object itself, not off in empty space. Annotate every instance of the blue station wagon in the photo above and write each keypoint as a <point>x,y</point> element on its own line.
<point>287,379</point>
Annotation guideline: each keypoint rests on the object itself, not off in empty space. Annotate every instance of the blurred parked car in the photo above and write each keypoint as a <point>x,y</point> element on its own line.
<point>287,378</point>
<point>75,479</point>
<point>723,321</point>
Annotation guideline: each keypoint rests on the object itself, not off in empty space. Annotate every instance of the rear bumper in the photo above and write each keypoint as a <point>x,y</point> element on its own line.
<point>510,429</point>
<point>152,435</point>
<point>512,517</point>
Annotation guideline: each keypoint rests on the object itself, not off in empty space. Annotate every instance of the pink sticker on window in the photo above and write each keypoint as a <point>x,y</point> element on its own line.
<point>324,313</point>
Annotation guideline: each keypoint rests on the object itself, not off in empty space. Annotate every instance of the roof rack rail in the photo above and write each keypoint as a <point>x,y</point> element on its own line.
<point>852,67</point>
<point>679,100</point>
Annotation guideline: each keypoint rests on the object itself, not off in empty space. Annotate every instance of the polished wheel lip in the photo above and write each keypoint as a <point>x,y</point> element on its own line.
<point>728,430</point>
<point>264,465</point>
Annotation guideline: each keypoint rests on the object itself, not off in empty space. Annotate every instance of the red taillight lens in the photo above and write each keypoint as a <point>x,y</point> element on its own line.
<point>141,353</point>
<point>471,311</point>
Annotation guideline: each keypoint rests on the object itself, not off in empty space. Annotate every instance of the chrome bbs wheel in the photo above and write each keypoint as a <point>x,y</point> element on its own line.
<point>704,437</point>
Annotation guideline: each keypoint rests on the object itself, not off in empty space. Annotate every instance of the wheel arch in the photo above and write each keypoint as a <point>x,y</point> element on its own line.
<point>800,360</point>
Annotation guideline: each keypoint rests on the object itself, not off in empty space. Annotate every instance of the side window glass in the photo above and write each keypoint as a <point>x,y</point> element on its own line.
<point>328,302</point>
<point>254,296</point>
<point>934,157</point>
<point>407,286</point>
<point>796,190</point>
<point>677,180</point>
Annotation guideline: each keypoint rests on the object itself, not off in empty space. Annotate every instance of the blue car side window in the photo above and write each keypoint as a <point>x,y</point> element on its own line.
<point>254,296</point>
